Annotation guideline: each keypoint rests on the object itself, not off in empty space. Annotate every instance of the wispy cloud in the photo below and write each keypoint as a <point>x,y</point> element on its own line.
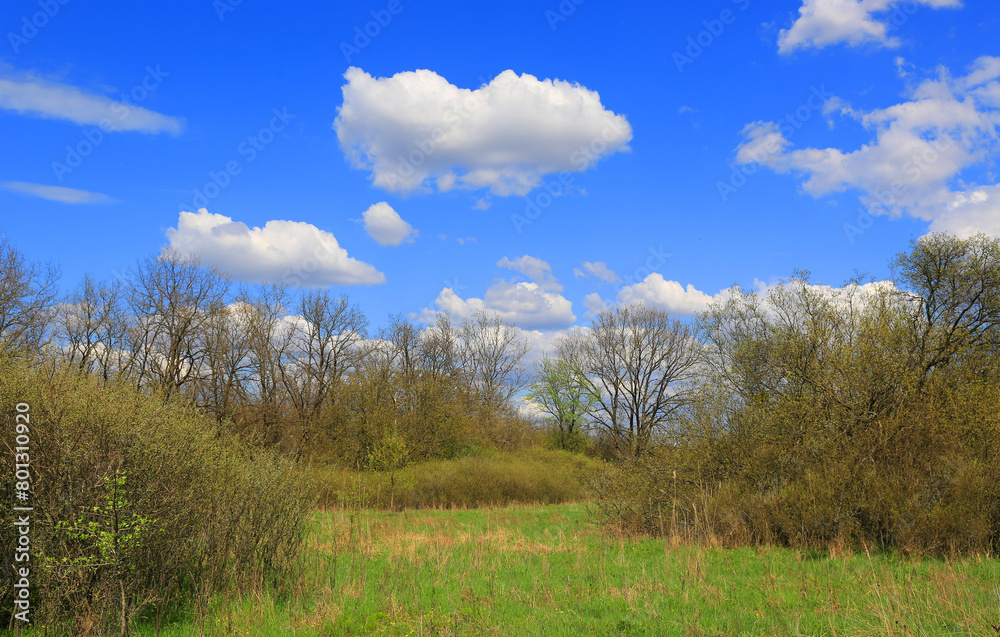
<point>56,193</point>
<point>596,270</point>
<point>535,269</point>
<point>35,97</point>
<point>825,22</point>
<point>915,159</point>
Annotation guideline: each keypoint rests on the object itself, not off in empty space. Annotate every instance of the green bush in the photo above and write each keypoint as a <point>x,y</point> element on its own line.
<point>861,416</point>
<point>140,505</point>
<point>534,476</point>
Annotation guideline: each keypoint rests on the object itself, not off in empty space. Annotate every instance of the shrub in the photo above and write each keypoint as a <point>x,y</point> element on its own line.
<point>139,503</point>
<point>864,416</point>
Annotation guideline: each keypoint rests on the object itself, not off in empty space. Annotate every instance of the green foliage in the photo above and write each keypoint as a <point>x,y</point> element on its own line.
<point>865,416</point>
<point>141,505</point>
<point>561,392</point>
<point>389,453</point>
<point>114,527</point>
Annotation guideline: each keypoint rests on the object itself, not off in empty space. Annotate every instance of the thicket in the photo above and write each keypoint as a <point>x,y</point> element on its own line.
<point>300,373</point>
<point>140,505</point>
<point>866,415</point>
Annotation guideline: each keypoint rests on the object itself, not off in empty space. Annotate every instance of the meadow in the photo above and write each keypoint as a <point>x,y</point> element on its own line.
<point>550,570</point>
<point>803,462</point>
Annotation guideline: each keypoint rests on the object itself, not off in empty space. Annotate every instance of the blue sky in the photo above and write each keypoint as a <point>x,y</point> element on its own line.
<point>672,149</point>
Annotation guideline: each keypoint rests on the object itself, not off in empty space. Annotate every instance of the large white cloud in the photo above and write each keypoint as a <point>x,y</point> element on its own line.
<point>42,98</point>
<point>825,22</point>
<point>915,160</point>
<point>415,131</point>
<point>292,252</point>
<point>56,193</point>
<point>384,224</point>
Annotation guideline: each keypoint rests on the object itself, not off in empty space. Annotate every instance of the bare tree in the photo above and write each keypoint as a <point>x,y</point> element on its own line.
<point>636,362</point>
<point>27,292</point>
<point>173,299</point>
<point>492,352</point>
<point>325,346</point>
<point>270,333</point>
<point>228,359</point>
<point>92,325</point>
<point>439,349</point>
<point>953,286</point>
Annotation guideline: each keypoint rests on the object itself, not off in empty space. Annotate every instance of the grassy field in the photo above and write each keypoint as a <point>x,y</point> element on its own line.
<point>549,571</point>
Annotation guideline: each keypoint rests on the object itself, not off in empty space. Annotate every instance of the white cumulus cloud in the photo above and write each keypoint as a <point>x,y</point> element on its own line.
<point>292,252</point>
<point>384,224</point>
<point>915,161</point>
<point>681,300</point>
<point>656,291</point>
<point>523,303</point>
<point>822,23</point>
<point>531,305</point>
<point>970,212</point>
<point>415,131</point>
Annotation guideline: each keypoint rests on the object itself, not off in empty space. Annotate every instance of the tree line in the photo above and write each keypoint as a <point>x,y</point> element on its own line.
<point>304,373</point>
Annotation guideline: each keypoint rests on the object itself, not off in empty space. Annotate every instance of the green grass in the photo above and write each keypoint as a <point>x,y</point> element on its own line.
<point>549,571</point>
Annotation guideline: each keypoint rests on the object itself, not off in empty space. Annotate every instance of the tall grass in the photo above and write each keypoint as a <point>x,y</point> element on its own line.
<point>550,571</point>
<point>535,476</point>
